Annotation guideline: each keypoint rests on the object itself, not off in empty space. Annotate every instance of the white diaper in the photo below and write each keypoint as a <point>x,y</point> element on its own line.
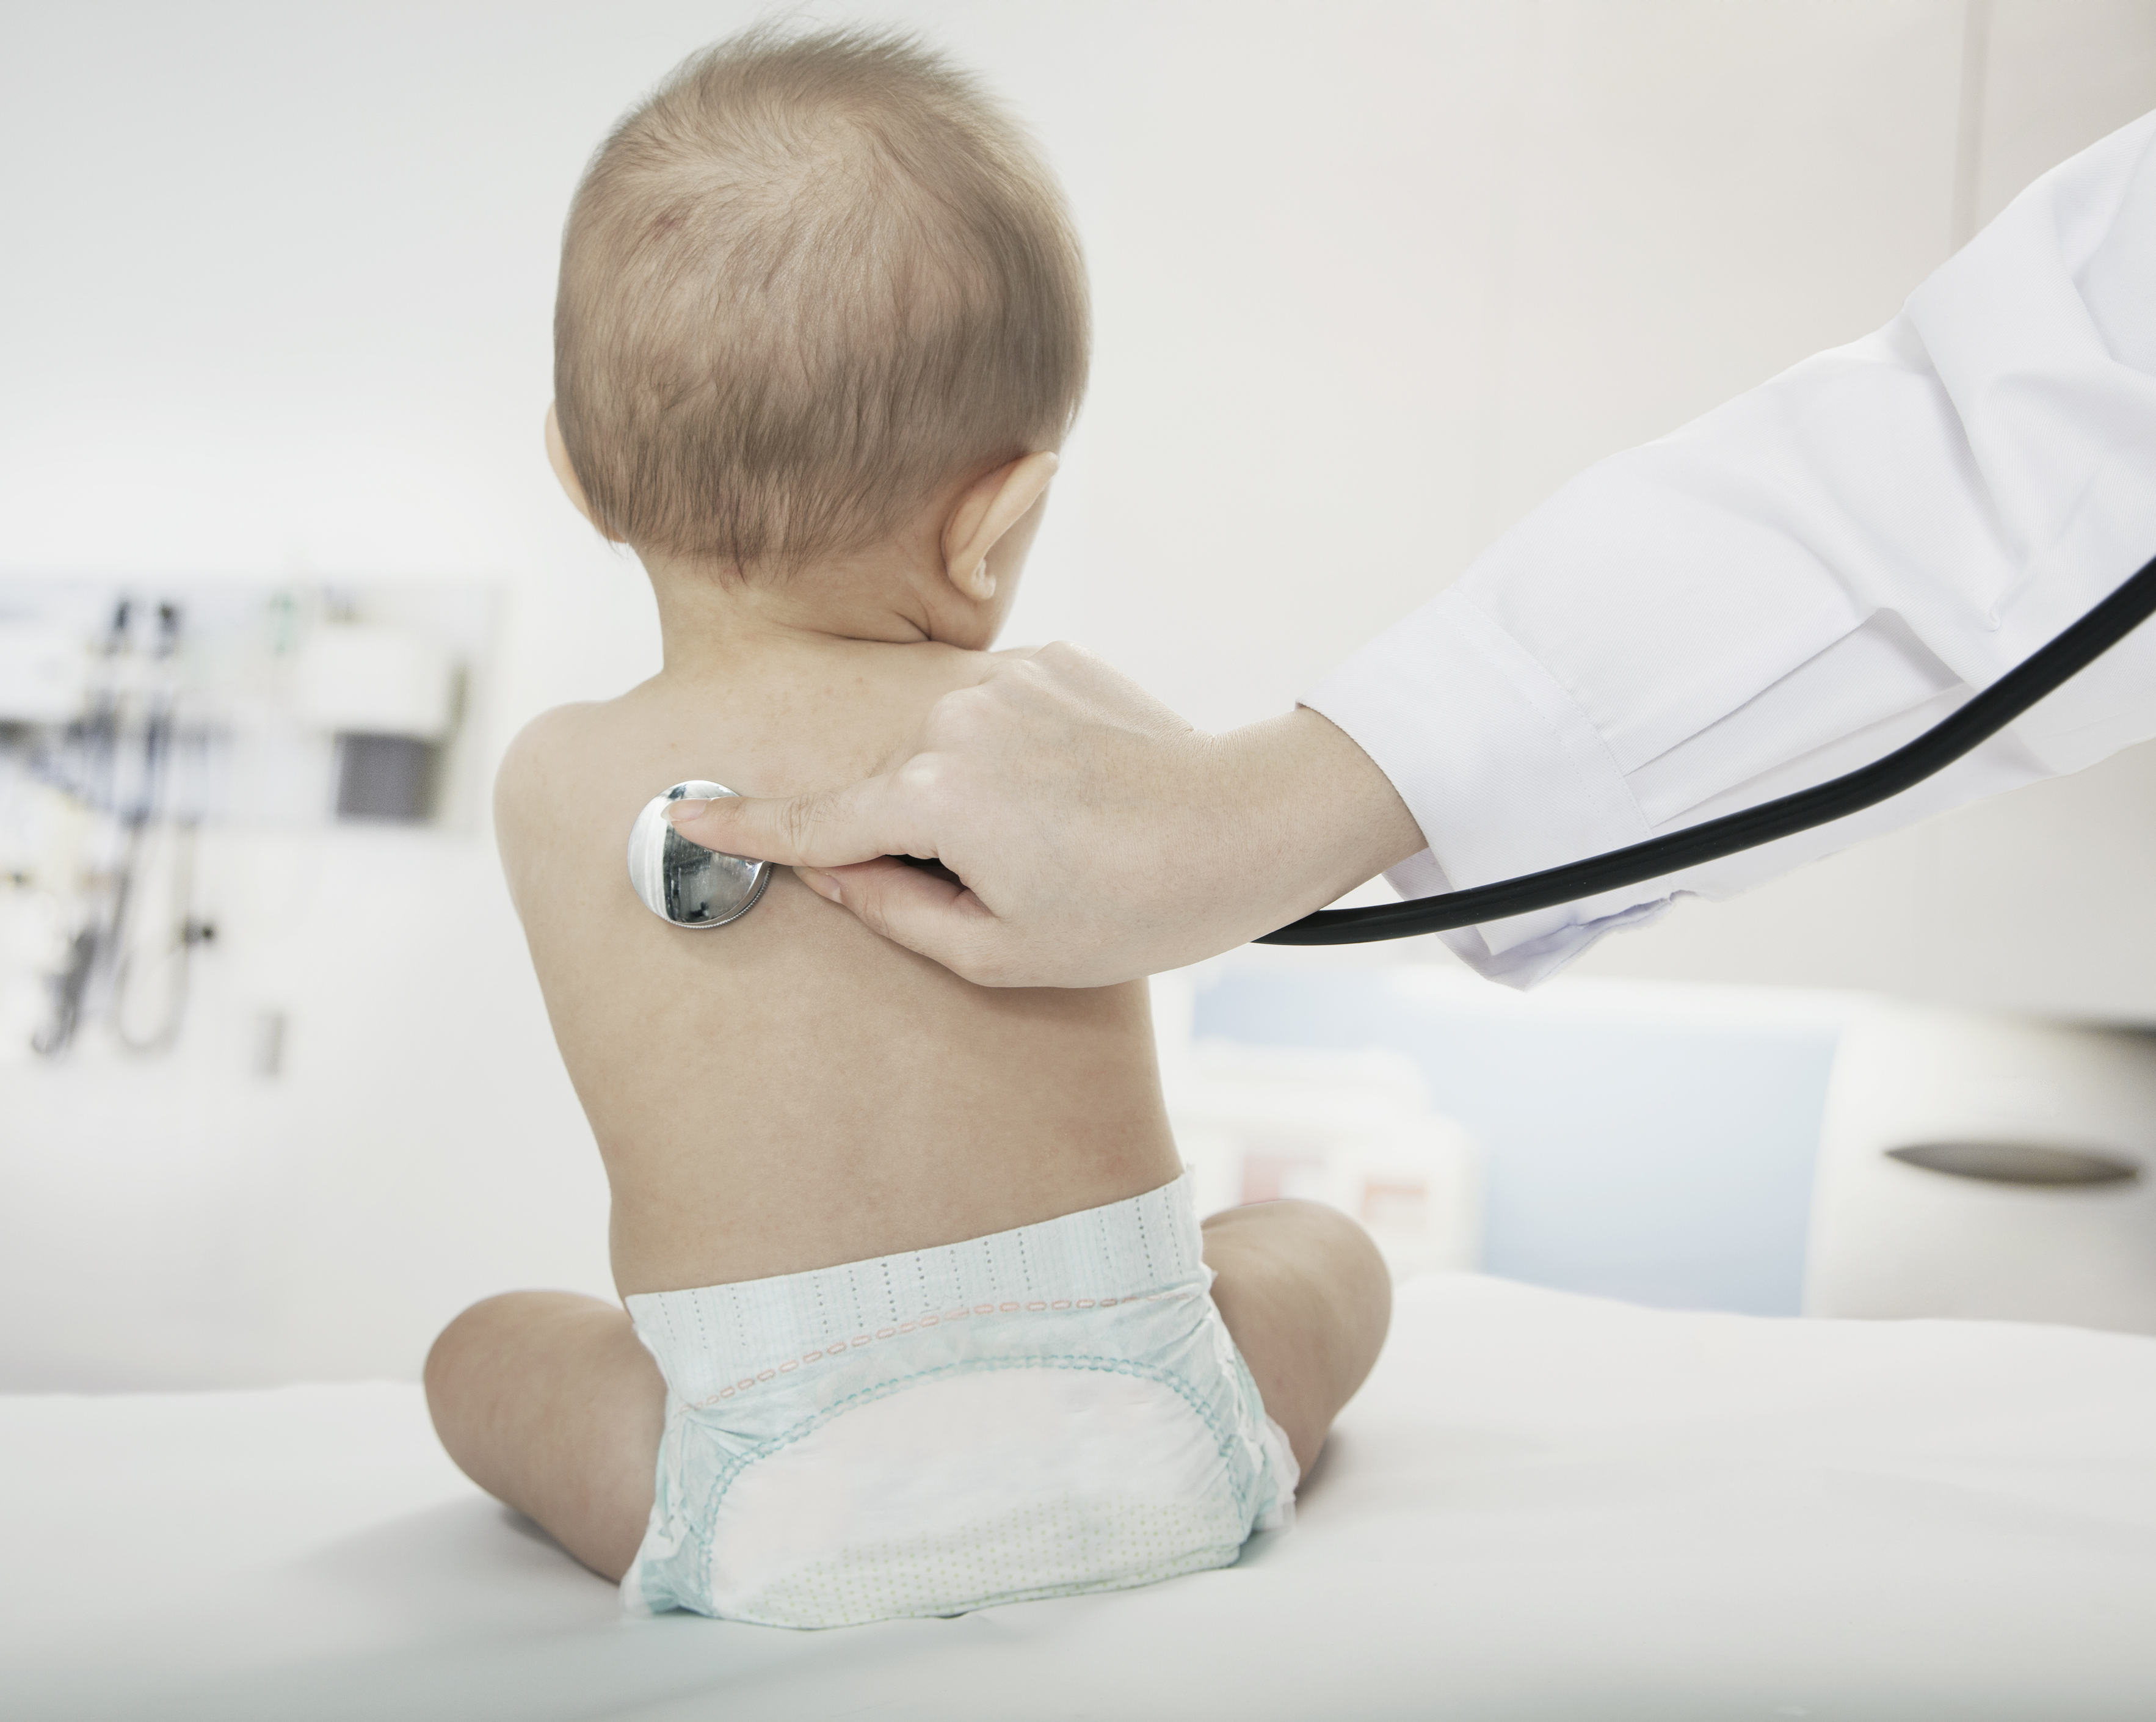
<point>1034,1413</point>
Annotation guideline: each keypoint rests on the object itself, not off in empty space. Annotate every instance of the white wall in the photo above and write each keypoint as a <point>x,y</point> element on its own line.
<point>1370,279</point>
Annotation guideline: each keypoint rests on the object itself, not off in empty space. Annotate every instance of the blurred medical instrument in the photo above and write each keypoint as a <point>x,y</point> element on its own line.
<point>1966,728</point>
<point>127,724</point>
<point>684,882</point>
<point>117,761</point>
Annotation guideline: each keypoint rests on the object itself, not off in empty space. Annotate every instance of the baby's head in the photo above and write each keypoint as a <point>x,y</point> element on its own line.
<point>816,290</point>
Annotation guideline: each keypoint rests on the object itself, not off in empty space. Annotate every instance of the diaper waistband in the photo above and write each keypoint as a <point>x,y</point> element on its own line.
<point>714,1337</point>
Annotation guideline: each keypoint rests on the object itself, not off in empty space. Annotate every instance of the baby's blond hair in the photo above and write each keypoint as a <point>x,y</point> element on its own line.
<point>805,284</point>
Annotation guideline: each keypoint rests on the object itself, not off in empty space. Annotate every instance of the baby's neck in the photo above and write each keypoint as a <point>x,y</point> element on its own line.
<point>805,691</point>
<point>713,622</point>
<point>705,656</point>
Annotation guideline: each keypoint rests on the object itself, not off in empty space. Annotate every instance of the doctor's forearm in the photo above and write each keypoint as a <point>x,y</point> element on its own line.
<point>1310,817</point>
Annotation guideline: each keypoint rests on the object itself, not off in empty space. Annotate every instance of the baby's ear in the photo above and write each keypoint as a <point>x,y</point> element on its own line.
<point>990,507</point>
<point>557,457</point>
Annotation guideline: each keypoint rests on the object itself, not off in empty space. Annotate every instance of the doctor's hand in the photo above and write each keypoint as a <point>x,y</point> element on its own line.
<point>1099,837</point>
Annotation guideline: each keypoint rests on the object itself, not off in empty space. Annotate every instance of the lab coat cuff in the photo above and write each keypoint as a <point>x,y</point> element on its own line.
<point>1502,771</point>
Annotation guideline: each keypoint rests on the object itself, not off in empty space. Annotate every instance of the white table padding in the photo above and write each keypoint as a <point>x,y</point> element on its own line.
<point>1542,1506</point>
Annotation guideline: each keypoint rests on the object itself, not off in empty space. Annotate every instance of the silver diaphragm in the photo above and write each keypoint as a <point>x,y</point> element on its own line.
<point>684,882</point>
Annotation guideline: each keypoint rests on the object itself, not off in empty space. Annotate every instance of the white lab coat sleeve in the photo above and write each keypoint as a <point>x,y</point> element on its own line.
<point>1799,582</point>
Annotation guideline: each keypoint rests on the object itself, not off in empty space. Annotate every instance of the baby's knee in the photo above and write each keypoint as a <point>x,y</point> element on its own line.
<point>1307,1239</point>
<point>1305,1269</point>
<point>1349,1269</point>
<point>477,1353</point>
<point>456,1365</point>
<point>470,1335</point>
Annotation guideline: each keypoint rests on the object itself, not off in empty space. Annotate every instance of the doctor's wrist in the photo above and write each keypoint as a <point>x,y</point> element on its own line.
<point>1315,816</point>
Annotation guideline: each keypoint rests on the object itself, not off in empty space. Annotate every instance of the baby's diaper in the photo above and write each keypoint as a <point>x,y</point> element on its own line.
<point>1034,1413</point>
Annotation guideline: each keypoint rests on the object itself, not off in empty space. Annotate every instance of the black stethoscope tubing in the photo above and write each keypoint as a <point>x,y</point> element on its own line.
<point>1938,747</point>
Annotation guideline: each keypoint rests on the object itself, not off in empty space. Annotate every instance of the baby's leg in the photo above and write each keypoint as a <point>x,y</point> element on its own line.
<point>546,1400</point>
<point>1307,1295</point>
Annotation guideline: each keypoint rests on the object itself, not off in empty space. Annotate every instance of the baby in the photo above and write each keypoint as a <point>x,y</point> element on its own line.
<point>919,1315</point>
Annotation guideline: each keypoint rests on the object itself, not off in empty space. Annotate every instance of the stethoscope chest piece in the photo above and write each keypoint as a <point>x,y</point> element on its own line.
<point>684,882</point>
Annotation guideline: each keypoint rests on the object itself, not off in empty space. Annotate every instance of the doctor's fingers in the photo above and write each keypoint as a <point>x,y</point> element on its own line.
<point>832,828</point>
<point>941,921</point>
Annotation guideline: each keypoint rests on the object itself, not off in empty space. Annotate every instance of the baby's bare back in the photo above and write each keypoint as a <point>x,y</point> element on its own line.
<point>791,1091</point>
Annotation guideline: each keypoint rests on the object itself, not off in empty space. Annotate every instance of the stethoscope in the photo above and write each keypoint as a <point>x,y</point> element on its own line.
<point>693,887</point>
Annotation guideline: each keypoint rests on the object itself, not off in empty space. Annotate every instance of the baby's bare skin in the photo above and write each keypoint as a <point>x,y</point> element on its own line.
<point>791,1091</point>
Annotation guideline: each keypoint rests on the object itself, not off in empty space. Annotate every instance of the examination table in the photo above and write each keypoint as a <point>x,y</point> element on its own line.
<point>1542,1506</point>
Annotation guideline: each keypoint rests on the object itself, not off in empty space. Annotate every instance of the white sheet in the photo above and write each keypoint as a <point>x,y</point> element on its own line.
<point>1542,1506</point>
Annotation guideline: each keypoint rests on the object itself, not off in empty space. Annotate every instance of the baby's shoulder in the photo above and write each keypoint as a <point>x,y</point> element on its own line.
<point>547,778</point>
<point>540,755</point>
